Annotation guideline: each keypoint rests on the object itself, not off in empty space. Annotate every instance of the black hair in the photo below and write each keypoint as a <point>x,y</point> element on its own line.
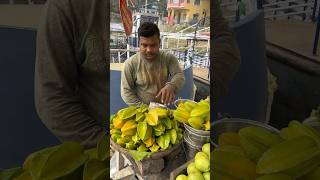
<point>148,29</point>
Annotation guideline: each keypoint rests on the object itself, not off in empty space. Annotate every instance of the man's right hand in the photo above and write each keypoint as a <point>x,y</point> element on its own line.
<point>166,94</point>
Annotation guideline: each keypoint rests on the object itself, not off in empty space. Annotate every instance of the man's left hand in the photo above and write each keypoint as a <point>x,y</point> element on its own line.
<point>166,94</point>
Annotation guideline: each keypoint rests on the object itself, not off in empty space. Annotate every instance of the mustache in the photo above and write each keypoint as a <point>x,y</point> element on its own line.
<point>150,54</point>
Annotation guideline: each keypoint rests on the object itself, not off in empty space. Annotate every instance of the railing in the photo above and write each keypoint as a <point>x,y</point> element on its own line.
<point>273,9</point>
<point>201,60</point>
<point>276,9</point>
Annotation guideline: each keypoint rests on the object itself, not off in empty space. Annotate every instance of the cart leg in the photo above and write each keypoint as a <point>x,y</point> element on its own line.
<point>125,174</point>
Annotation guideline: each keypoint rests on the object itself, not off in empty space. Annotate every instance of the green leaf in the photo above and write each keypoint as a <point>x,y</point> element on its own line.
<point>138,155</point>
<point>102,148</point>
<point>95,170</point>
<point>9,174</point>
<point>67,158</point>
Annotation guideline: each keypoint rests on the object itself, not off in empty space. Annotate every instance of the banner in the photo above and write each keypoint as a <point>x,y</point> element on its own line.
<point>126,17</point>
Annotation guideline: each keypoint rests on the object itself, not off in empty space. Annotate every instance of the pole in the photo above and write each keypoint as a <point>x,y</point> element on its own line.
<point>128,48</point>
<point>238,11</point>
<point>194,39</point>
<point>259,4</point>
<point>208,45</point>
<point>145,7</point>
<point>315,10</point>
<point>163,41</point>
<point>316,38</point>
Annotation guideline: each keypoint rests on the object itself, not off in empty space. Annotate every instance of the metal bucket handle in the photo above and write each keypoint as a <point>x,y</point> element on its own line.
<point>198,134</point>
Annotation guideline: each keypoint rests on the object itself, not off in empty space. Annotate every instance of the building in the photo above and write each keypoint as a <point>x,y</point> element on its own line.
<point>187,11</point>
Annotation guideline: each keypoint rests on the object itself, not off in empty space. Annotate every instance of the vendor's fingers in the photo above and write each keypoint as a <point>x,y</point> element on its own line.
<point>159,94</point>
<point>165,96</point>
<point>169,98</point>
<point>172,98</point>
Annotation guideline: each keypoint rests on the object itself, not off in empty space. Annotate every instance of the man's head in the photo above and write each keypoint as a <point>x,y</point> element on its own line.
<point>149,40</point>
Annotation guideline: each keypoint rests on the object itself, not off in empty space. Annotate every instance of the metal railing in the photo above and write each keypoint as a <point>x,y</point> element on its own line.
<point>276,8</point>
<point>200,60</point>
<point>305,9</point>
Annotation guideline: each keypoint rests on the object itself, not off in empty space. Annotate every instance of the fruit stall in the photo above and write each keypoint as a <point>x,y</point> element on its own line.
<point>156,142</point>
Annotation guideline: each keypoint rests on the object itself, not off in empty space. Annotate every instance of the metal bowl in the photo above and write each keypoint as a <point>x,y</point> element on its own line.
<point>178,101</point>
<point>197,135</point>
<point>191,147</point>
<point>234,125</point>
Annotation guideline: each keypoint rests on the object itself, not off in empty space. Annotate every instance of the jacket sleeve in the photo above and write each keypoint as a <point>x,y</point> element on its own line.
<point>128,85</point>
<point>226,56</point>
<point>56,77</point>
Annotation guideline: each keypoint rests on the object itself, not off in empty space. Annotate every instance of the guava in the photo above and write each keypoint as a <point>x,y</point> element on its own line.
<point>182,177</point>
<point>202,162</point>
<point>192,168</point>
<point>206,175</point>
<point>195,176</point>
<point>206,149</point>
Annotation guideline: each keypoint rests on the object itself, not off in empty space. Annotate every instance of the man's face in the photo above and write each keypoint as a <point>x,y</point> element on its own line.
<point>149,47</point>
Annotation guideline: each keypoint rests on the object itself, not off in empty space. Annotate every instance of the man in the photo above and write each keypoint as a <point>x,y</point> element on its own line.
<point>71,79</point>
<point>150,75</point>
<point>226,56</point>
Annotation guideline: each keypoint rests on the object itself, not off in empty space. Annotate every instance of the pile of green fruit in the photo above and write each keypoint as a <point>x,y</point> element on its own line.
<point>145,130</point>
<point>68,161</point>
<point>197,115</point>
<point>257,153</point>
<point>200,168</point>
